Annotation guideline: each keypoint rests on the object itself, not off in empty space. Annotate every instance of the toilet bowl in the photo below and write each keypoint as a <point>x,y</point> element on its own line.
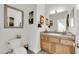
<point>16,46</point>
<point>20,50</point>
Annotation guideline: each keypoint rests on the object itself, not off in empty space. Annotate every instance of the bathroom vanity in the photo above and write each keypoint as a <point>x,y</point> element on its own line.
<point>57,42</point>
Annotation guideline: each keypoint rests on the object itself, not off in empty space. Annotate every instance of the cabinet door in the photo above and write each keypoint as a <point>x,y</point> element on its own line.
<point>44,43</point>
<point>62,49</point>
<point>53,48</point>
<point>46,46</point>
<point>59,48</point>
<point>68,46</point>
<point>68,49</point>
<point>43,38</point>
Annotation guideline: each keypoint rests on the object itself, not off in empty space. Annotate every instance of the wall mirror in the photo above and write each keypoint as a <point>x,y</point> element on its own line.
<point>13,17</point>
<point>60,21</point>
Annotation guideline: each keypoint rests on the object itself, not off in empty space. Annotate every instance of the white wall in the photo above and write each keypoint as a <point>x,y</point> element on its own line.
<point>10,33</point>
<point>30,33</point>
<point>34,32</point>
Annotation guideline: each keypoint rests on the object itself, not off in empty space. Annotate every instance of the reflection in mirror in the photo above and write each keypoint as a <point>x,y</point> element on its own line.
<point>67,22</point>
<point>63,21</point>
<point>61,26</point>
<point>72,18</point>
<point>13,17</point>
<point>59,21</point>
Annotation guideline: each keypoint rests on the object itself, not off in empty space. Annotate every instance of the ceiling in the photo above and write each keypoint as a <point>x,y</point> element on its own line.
<point>60,6</point>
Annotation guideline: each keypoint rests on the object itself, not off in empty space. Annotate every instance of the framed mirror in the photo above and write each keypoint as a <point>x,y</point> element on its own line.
<point>60,21</point>
<point>13,17</point>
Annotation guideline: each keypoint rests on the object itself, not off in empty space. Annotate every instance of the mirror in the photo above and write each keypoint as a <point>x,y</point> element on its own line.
<point>60,21</point>
<point>72,21</point>
<point>13,17</point>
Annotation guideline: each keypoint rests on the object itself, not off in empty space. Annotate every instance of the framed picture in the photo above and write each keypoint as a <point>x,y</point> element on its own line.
<point>51,22</point>
<point>47,21</point>
<point>11,21</point>
<point>31,17</point>
<point>42,19</point>
<point>39,26</point>
<point>13,17</point>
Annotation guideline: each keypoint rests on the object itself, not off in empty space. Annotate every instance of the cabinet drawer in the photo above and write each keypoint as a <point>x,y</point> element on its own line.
<point>67,42</point>
<point>61,49</point>
<point>52,39</point>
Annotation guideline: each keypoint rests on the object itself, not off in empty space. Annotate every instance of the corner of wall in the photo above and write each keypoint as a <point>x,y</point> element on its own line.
<point>35,51</point>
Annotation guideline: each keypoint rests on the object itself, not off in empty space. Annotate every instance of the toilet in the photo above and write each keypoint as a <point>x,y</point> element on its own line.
<point>16,46</point>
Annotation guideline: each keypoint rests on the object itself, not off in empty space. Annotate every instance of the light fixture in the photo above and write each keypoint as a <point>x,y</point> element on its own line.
<point>57,11</point>
<point>60,10</point>
<point>77,5</point>
<point>52,12</point>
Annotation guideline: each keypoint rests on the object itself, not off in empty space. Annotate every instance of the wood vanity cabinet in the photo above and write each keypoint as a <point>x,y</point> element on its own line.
<point>47,45</point>
<point>53,44</point>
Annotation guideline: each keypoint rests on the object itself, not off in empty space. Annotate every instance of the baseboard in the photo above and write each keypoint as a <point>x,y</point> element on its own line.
<point>35,52</point>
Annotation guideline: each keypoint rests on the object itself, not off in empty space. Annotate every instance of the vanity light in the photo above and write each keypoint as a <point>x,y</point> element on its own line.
<point>57,11</point>
<point>52,12</point>
<point>60,10</point>
<point>77,5</point>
